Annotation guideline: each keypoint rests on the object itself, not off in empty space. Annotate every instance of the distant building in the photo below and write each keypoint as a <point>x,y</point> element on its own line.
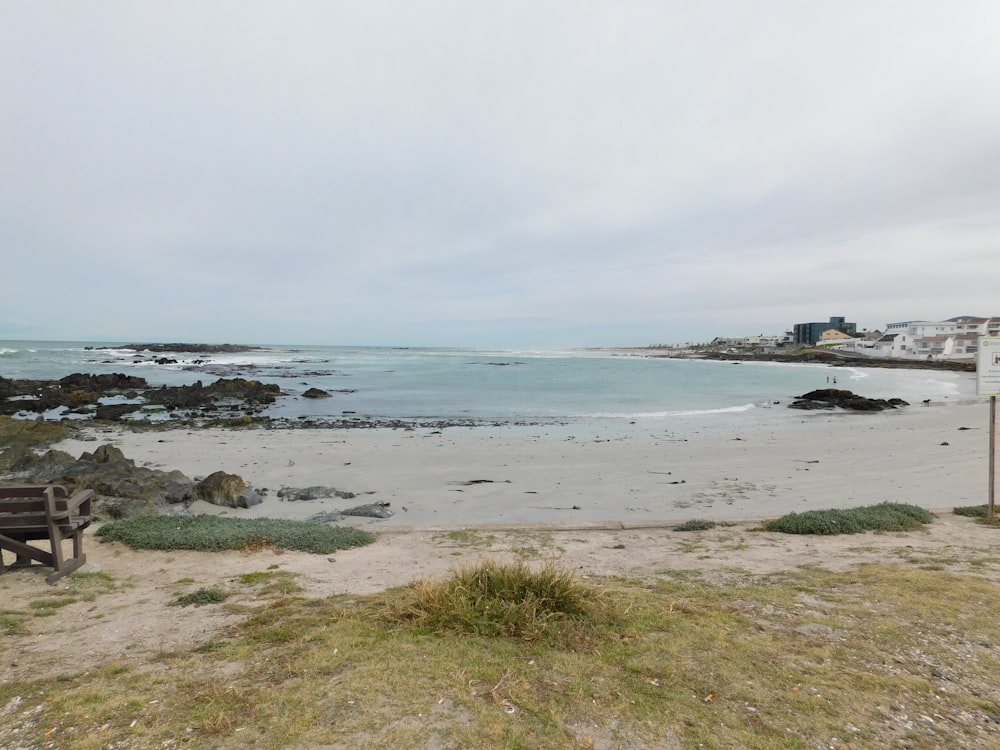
<point>955,338</point>
<point>806,334</point>
<point>760,341</point>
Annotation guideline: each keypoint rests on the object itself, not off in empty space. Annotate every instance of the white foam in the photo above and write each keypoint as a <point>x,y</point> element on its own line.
<point>663,414</point>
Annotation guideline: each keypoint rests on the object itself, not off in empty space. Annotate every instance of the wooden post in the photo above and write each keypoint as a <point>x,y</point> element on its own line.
<point>991,516</point>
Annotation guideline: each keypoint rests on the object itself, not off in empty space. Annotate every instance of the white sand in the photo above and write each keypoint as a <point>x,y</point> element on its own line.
<point>823,460</point>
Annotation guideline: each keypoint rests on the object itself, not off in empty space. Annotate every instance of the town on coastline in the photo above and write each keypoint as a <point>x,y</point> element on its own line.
<point>954,341</point>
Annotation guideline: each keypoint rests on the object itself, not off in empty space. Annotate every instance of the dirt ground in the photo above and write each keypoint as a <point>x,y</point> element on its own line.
<point>136,619</point>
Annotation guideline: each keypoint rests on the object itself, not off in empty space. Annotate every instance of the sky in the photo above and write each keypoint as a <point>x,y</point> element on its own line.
<point>494,174</point>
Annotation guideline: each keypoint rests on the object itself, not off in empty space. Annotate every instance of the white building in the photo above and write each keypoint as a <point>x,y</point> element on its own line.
<point>955,338</point>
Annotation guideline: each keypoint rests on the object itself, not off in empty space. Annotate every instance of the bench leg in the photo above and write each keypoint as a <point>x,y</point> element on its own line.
<point>66,569</point>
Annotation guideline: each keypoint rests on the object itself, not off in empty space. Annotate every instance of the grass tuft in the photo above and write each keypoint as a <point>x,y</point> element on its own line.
<point>213,533</point>
<point>12,624</point>
<point>881,517</point>
<point>497,599</point>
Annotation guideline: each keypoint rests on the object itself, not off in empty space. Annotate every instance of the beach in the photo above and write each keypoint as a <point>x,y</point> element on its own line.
<point>933,456</point>
<point>594,505</point>
<point>602,506</point>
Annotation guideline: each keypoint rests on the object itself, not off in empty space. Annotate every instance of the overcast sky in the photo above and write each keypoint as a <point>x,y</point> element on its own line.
<point>496,174</point>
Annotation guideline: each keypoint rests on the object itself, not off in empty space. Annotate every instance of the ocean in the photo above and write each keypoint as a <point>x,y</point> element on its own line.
<point>624,390</point>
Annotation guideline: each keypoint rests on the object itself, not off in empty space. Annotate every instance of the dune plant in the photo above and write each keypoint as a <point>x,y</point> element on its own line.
<point>880,517</point>
<point>214,533</point>
<point>494,598</point>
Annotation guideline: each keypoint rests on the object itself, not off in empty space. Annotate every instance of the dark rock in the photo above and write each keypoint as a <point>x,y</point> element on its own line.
<point>52,463</point>
<point>177,490</point>
<point>106,454</point>
<point>113,412</point>
<point>198,395</point>
<point>17,458</point>
<point>73,391</point>
<point>316,393</point>
<point>828,398</point>
<point>229,490</point>
<point>108,382</point>
<point>371,510</point>
<point>291,494</point>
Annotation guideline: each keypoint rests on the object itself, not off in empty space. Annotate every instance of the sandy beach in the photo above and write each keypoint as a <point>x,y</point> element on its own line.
<point>934,456</point>
<point>462,496</point>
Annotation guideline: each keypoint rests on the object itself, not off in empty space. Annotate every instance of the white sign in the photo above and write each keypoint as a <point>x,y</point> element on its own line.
<point>988,367</point>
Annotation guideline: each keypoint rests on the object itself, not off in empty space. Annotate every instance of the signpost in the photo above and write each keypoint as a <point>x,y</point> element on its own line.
<point>988,384</point>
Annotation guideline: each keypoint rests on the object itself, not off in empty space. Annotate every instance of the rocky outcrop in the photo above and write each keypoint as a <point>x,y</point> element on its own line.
<point>82,392</point>
<point>124,489</point>
<point>187,348</point>
<point>830,398</point>
<point>73,391</point>
<point>115,381</point>
<point>197,395</point>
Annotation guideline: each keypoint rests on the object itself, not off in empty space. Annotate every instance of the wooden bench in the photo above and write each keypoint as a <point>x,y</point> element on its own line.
<point>34,512</point>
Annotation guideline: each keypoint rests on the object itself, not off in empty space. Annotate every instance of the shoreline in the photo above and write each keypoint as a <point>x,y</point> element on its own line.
<point>583,477</point>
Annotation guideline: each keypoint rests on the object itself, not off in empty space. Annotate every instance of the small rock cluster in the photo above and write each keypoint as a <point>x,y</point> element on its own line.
<point>829,398</point>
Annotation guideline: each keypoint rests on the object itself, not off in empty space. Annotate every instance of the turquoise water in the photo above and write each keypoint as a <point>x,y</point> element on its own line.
<point>567,387</point>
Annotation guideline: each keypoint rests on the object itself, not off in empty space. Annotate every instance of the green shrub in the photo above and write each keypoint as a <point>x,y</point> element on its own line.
<point>215,533</point>
<point>972,511</point>
<point>502,599</point>
<point>894,517</point>
<point>881,517</point>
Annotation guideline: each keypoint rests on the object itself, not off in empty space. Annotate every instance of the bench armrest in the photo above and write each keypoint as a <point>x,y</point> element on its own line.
<point>80,500</point>
<point>78,505</point>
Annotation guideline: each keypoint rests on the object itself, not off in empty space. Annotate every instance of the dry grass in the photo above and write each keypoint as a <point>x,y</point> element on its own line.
<point>513,600</point>
<point>883,656</point>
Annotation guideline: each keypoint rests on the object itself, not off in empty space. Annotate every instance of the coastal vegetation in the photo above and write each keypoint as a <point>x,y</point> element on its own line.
<point>33,433</point>
<point>979,512</point>
<point>883,655</point>
<point>695,524</point>
<point>212,533</point>
<point>498,599</point>
<point>880,517</point>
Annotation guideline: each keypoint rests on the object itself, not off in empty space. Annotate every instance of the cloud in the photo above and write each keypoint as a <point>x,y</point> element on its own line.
<point>536,174</point>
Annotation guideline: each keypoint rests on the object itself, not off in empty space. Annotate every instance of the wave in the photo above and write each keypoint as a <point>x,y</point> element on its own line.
<point>678,413</point>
